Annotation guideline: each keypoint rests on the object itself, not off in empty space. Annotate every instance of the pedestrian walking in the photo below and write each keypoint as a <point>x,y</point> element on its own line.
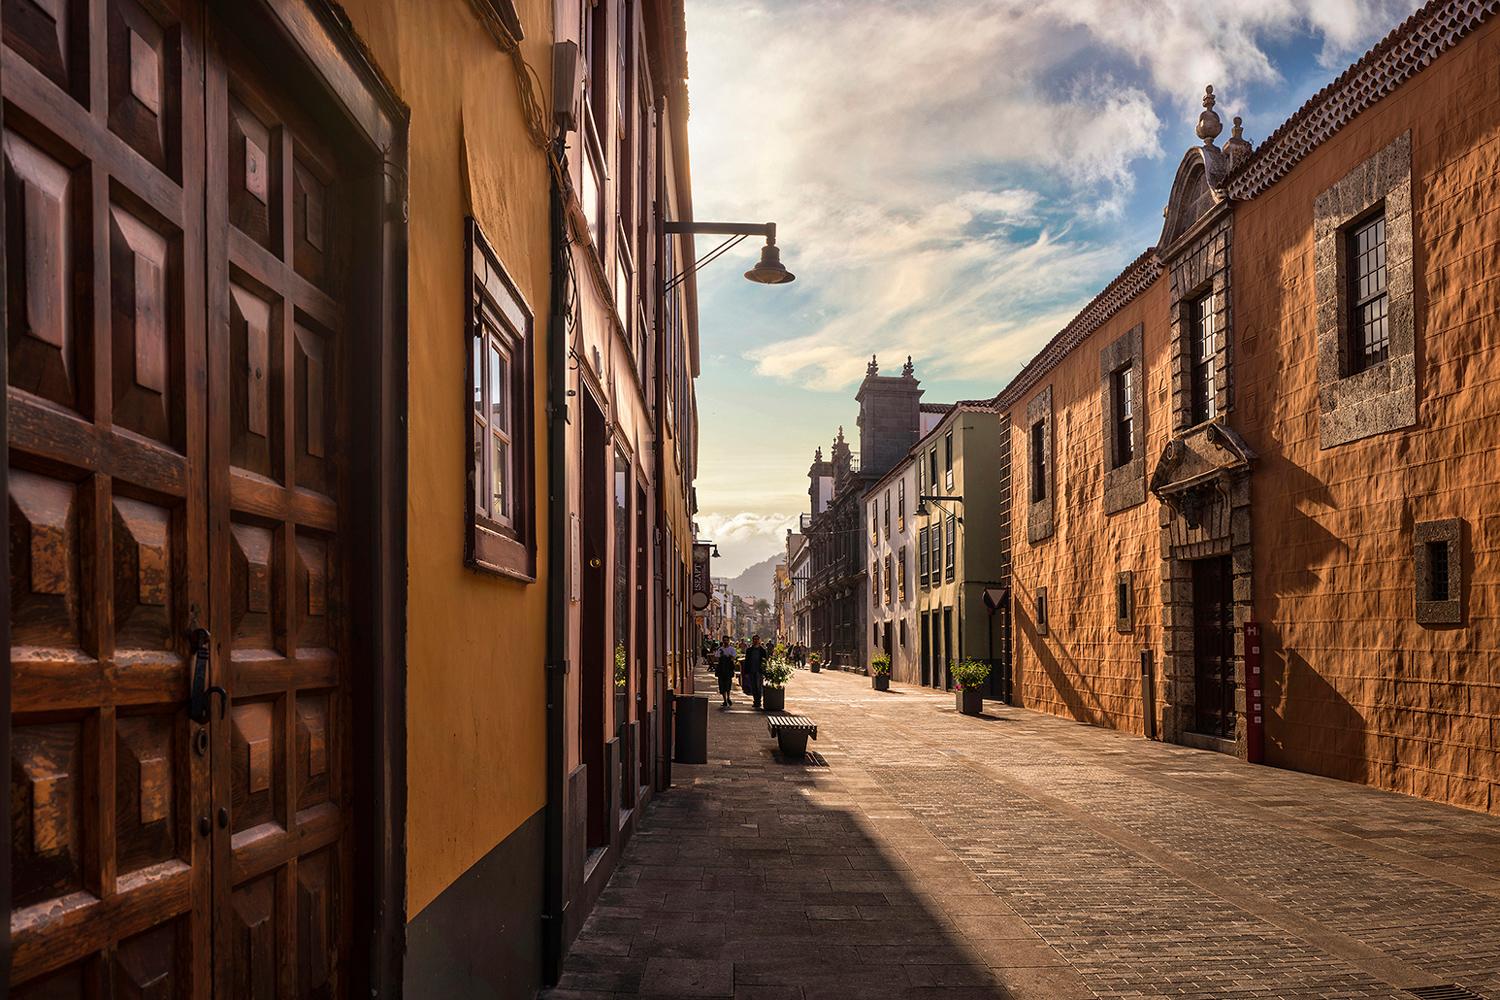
<point>753,670</point>
<point>724,669</point>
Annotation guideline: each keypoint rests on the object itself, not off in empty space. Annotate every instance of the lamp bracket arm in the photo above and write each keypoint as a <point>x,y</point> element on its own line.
<point>766,229</point>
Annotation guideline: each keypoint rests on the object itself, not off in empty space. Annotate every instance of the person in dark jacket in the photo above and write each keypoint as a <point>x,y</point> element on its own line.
<point>724,670</point>
<point>752,671</point>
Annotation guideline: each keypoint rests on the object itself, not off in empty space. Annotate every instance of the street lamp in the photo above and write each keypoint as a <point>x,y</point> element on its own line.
<point>770,270</point>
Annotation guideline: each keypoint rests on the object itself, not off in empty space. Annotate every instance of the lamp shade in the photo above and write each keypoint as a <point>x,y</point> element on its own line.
<point>770,270</point>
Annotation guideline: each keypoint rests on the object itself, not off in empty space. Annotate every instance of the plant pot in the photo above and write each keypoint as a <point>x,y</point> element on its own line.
<point>773,699</point>
<point>970,701</point>
<point>816,668</point>
<point>880,682</point>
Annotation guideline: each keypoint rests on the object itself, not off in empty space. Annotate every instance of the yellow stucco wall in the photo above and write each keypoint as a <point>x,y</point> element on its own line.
<point>476,753</point>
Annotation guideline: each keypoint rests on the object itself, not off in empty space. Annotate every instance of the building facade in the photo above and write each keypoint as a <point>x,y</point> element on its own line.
<point>889,420</point>
<point>961,606</point>
<point>1252,465</point>
<point>369,455</point>
<point>890,531</point>
<point>799,566</point>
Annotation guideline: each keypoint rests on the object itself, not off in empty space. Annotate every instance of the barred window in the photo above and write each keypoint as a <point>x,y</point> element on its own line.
<point>1038,461</point>
<point>1124,416</point>
<point>1203,343</point>
<point>901,579</point>
<point>1369,303</point>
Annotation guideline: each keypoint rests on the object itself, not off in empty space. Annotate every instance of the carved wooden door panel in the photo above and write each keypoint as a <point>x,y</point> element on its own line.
<point>175,272</point>
<point>277,252</point>
<point>108,510</point>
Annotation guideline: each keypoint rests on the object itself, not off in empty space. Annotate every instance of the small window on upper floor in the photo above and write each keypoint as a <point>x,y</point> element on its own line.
<point>1124,415</point>
<point>948,460</point>
<point>1369,303</point>
<point>1202,347</point>
<point>1041,611</point>
<point>1038,461</point>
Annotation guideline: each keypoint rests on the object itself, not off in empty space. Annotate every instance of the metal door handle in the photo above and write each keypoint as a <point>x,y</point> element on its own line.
<point>201,696</point>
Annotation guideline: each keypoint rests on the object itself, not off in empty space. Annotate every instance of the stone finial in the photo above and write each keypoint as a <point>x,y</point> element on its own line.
<point>818,453</point>
<point>840,438</point>
<point>1238,147</point>
<point>908,370</point>
<point>873,368</point>
<point>1209,125</point>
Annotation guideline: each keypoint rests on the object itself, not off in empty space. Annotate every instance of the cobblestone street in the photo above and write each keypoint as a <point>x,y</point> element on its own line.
<point>923,853</point>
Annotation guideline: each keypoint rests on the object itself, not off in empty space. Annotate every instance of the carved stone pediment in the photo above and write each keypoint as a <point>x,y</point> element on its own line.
<point>1197,188</point>
<point>1203,456</point>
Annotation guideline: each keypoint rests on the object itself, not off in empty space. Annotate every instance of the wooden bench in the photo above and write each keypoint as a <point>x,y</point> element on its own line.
<point>791,732</point>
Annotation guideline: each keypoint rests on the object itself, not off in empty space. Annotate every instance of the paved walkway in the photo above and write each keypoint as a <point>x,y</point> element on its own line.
<point>926,854</point>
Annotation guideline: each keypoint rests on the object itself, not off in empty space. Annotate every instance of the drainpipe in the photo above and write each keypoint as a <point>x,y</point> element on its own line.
<point>558,534</point>
<point>664,708</point>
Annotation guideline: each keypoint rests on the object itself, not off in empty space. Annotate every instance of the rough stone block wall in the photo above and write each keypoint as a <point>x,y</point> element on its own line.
<point>1356,688</point>
<point>1084,668</point>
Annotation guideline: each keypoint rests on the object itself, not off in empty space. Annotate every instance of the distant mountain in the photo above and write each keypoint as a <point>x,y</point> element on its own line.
<point>757,581</point>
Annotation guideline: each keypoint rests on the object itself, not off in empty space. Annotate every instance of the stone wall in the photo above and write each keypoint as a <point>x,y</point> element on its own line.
<point>1084,667</point>
<point>1356,686</point>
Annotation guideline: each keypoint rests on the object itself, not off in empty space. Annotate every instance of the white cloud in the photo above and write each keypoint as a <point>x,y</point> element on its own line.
<point>948,178</point>
<point>924,161</point>
<point>744,539</point>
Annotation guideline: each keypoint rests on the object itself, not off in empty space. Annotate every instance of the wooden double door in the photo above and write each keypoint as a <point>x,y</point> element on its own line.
<point>177,258</point>
<point>1214,687</point>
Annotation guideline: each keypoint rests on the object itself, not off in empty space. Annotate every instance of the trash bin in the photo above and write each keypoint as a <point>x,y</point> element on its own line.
<point>690,731</point>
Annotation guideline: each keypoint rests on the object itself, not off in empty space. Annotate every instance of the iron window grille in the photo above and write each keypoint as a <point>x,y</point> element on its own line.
<point>1038,461</point>
<point>1124,415</point>
<point>1437,559</point>
<point>1369,302</point>
<point>1202,351</point>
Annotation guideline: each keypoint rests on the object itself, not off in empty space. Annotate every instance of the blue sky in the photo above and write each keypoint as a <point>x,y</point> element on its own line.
<point>951,179</point>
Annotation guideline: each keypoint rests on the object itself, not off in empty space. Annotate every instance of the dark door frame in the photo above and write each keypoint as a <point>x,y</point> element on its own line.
<point>5,854</point>
<point>320,39</point>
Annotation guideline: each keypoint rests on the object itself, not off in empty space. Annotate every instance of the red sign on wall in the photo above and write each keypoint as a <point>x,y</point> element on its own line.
<point>1255,714</point>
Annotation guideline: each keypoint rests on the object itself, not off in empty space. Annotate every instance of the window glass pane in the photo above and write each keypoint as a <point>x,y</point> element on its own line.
<point>478,368</point>
<point>499,390</point>
<point>481,502</point>
<point>500,483</point>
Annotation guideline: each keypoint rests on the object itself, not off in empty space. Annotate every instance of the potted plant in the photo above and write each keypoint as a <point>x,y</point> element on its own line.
<point>880,672</point>
<point>968,681</point>
<point>815,663</point>
<point>773,685</point>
